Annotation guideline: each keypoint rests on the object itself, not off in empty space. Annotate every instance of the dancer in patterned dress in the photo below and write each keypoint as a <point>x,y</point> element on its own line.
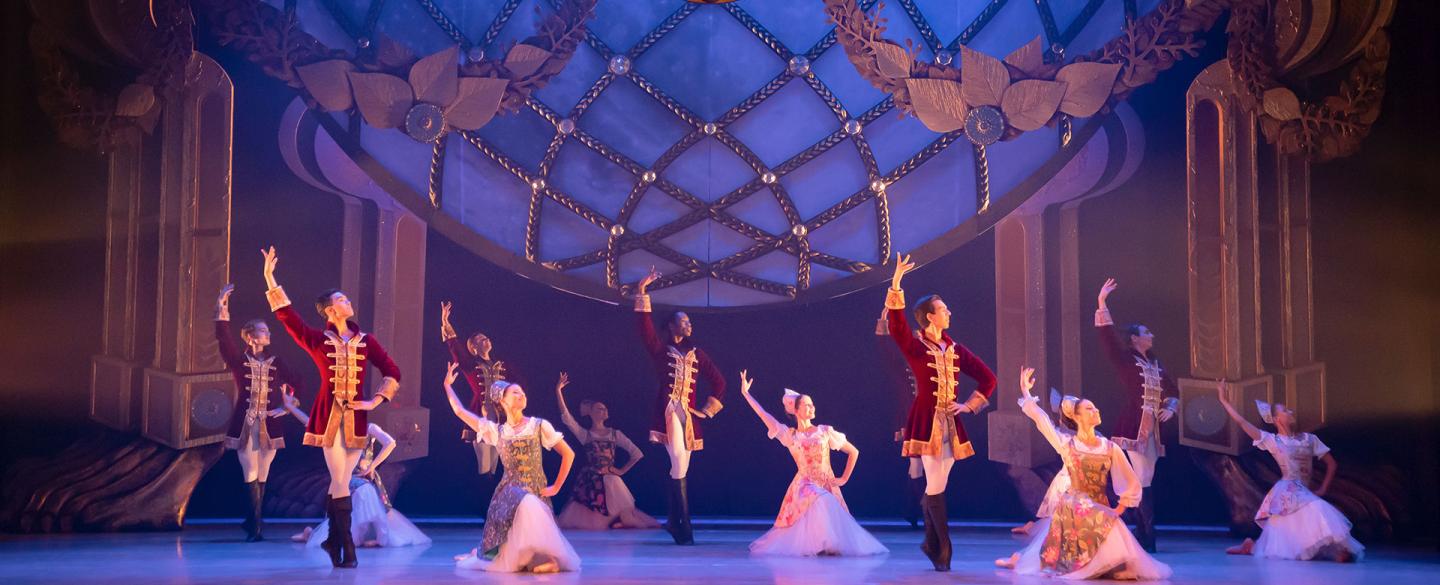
<point>520,531</point>
<point>1297,524</point>
<point>813,518</point>
<point>600,498</point>
<point>1086,538</point>
<point>374,521</point>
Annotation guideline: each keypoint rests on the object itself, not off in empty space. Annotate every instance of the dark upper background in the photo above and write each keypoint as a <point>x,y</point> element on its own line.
<point>1376,304</point>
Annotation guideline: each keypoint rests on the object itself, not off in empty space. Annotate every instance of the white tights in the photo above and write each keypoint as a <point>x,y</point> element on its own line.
<point>255,463</point>
<point>340,461</point>
<point>675,445</point>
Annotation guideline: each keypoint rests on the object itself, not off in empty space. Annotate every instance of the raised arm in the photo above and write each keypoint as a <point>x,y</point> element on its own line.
<point>387,446</point>
<point>304,335</point>
<point>469,418</point>
<point>565,416</point>
<point>772,426</point>
<point>458,351</point>
<point>1250,430</point>
<point>648,336</point>
<point>1030,405</point>
<point>224,337</point>
<point>895,307</point>
<point>1105,327</point>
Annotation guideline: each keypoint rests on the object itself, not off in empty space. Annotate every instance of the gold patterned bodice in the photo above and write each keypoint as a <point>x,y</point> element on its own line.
<point>1089,472</point>
<point>259,390</point>
<point>682,374</point>
<point>345,365</point>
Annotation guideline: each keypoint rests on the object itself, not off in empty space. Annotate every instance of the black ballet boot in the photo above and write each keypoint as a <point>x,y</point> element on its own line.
<point>331,544</point>
<point>678,523</point>
<point>914,495</point>
<point>937,532</point>
<point>345,539</point>
<point>1145,521</point>
<point>254,521</point>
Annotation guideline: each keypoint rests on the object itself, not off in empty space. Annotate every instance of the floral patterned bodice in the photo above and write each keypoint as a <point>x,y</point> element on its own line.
<point>811,451</point>
<point>1089,472</point>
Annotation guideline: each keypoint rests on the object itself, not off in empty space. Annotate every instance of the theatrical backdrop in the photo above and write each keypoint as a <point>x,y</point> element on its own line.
<point>1259,177</point>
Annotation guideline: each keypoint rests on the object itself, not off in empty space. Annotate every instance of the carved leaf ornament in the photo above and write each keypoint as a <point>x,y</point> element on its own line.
<point>1026,93</point>
<point>433,96</point>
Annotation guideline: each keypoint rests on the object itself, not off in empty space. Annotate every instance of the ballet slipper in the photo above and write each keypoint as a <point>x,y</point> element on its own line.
<point>1024,529</point>
<point>1243,548</point>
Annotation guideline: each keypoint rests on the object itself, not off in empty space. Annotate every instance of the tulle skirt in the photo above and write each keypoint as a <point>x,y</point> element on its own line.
<point>1306,532</point>
<point>618,501</point>
<point>534,539</point>
<point>371,524</point>
<point>1120,557</point>
<point>826,528</point>
<point>1058,486</point>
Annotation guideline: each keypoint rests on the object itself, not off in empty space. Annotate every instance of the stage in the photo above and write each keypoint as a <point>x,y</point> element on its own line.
<point>214,553</point>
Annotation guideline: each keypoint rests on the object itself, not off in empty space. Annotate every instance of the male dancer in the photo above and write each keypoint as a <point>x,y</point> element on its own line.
<point>254,433</point>
<point>473,355</point>
<point>677,363</point>
<point>1146,386</point>
<point>933,432</point>
<point>338,421</point>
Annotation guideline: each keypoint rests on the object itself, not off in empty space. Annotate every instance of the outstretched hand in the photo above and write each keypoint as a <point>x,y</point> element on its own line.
<point>1027,381</point>
<point>445,307</point>
<point>745,382</point>
<point>1107,288</point>
<point>224,301</point>
<point>451,373</point>
<point>562,382</point>
<point>649,278</point>
<point>271,259</point>
<point>287,396</point>
<point>903,265</point>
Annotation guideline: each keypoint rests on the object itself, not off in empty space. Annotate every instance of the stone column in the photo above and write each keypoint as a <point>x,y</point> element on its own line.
<point>1020,337</point>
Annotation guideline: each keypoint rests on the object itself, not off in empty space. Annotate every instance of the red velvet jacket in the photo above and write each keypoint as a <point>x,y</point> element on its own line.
<point>922,356</point>
<point>333,357</point>
<point>662,360</point>
<point>480,374</point>
<point>238,364</point>
<point>1130,372</point>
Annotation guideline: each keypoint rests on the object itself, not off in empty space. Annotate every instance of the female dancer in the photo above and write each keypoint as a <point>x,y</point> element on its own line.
<point>1296,524</point>
<point>933,432</point>
<point>600,499</point>
<point>373,521</point>
<point>813,517</point>
<point>254,434</point>
<point>520,531</point>
<point>1086,538</point>
<point>1059,483</point>
<point>338,422</point>
<point>1037,529</point>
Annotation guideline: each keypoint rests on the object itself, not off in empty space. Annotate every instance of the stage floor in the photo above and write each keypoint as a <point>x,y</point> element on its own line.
<point>213,554</point>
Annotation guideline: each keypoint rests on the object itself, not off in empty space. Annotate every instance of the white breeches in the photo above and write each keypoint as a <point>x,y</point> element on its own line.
<point>937,467</point>
<point>1144,462</point>
<point>341,462</point>
<point>254,461</point>
<point>675,445</point>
